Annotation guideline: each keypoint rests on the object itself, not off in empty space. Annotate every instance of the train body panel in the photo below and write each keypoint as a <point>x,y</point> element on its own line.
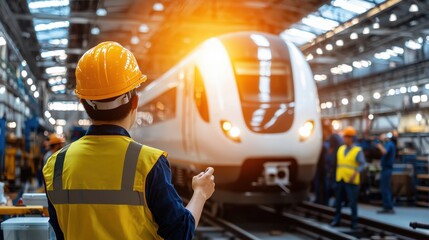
<point>207,111</point>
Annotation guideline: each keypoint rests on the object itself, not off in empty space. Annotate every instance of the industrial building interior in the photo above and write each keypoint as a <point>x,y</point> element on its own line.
<point>369,61</point>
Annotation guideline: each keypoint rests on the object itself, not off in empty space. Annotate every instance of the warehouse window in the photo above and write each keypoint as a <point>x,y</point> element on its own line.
<point>160,109</point>
<point>200,96</point>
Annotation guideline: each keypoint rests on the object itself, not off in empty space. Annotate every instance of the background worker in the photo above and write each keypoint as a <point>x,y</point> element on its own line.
<point>55,143</point>
<point>106,185</point>
<point>388,151</point>
<point>350,162</point>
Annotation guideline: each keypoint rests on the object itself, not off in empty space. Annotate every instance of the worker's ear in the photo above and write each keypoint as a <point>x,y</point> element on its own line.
<point>134,102</point>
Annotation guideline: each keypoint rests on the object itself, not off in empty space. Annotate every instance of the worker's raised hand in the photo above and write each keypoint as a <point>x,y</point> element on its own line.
<point>203,183</point>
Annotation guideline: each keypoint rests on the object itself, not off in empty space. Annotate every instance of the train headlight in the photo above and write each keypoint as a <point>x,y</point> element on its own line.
<point>231,131</point>
<point>306,130</point>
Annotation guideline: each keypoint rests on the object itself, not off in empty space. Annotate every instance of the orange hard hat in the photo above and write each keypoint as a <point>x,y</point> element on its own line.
<point>55,139</point>
<point>107,70</point>
<point>349,131</point>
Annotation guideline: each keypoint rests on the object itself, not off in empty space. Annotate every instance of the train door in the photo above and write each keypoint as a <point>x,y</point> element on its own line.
<point>188,116</point>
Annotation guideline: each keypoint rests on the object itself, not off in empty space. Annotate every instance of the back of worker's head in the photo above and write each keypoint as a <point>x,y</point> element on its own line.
<point>107,76</point>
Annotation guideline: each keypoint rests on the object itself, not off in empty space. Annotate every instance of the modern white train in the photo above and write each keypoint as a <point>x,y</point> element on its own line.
<point>244,103</point>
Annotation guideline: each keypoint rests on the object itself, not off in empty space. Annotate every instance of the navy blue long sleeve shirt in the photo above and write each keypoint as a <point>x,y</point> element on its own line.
<point>173,219</point>
<point>388,158</point>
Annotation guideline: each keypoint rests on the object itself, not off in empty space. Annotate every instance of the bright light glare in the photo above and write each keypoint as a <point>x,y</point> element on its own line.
<point>298,36</point>
<point>234,132</point>
<point>158,7</point>
<point>2,89</point>
<point>260,40</point>
<point>84,122</point>
<point>370,116</point>
<point>46,4</point>
<point>339,43</point>
<point>65,106</point>
<point>36,94</point>
<point>61,122</point>
<point>29,81</point>
<point>306,130</point>
<point>53,53</point>
<point>413,45</point>
<point>135,40</point>
<point>320,22</point>
<point>47,114</point>
<point>95,31</point>
<point>413,8</point>
<point>33,88</point>
<point>101,12</point>
<point>320,77</point>
<point>376,95</point>
<point>59,130</point>
<point>144,28</point>
<point>56,70</point>
<point>356,6</point>
<point>2,41</point>
<point>226,126</point>
<point>11,124</point>
<point>359,98</point>
<point>52,121</point>
<point>24,73</point>
<point>419,117</point>
<point>52,25</point>
<point>336,125</point>
<point>344,101</point>
<point>62,41</point>
<point>416,99</point>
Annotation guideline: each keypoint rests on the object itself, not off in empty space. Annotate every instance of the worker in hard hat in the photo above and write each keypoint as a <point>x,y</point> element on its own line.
<point>388,151</point>
<point>55,143</point>
<point>350,162</point>
<point>106,185</point>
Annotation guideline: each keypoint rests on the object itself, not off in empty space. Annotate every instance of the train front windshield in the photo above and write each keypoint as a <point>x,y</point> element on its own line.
<point>264,80</point>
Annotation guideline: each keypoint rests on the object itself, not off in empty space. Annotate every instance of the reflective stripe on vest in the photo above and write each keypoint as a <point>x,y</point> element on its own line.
<point>124,196</point>
<point>347,166</point>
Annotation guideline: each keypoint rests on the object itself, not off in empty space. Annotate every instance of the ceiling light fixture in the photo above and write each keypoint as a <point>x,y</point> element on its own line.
<point>159,7</point>
<point>101,12</point>
<point>144,28</point>
<point>365,30</point>
<point>413,8</point>
<point>95,31</point>
<point>393,17</point>
<point>135,40</point>
<point>339,43</point>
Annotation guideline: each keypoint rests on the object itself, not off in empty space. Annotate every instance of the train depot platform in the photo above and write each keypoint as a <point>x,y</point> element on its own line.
<point>401,218</point>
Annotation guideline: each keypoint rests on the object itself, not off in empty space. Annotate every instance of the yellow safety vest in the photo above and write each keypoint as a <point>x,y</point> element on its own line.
<point>347,165</point>
<point>97,186</point>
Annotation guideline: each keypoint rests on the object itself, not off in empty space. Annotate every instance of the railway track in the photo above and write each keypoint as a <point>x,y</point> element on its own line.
<point>304,221</point>
<point>368,228</point>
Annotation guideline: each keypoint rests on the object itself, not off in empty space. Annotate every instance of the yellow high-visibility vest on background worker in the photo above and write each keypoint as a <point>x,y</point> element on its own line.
<point>98,177</point>
<point>347,165</point>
